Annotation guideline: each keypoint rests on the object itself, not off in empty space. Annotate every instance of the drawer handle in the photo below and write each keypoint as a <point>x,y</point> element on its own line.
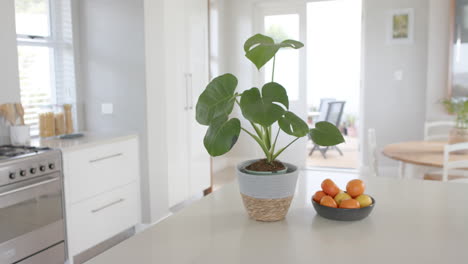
<point>107,205</point>
<point>106,157</point>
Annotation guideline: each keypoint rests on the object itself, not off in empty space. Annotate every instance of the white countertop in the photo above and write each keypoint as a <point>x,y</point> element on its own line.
<point>88,140</point>
<point>413,222</point>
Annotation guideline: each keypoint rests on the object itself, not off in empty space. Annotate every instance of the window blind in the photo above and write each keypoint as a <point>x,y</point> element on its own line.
<point>52,56</point>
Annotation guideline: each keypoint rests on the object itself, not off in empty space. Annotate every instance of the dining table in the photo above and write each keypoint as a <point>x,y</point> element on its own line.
<point>417,158</point>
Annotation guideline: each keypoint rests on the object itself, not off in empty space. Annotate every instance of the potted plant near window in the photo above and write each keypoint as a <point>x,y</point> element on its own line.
<point>267,185</point>
<point>459,107</point>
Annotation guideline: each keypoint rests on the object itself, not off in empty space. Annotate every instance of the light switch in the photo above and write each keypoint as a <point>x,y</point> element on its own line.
<point>107,108</point>
<point>398,75</point>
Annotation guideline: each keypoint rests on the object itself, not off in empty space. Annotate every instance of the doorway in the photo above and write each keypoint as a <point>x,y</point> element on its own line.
<point>333,78</point>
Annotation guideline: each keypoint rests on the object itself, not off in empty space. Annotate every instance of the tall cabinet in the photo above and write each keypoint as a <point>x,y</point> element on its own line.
<point>186,73</point>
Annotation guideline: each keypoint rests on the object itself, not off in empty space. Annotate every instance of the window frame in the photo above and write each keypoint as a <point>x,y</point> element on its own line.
<point>57,43</point>
<point>45,41</point>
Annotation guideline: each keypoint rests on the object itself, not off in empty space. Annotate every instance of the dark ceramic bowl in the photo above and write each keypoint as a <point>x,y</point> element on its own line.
<point>341,214</point>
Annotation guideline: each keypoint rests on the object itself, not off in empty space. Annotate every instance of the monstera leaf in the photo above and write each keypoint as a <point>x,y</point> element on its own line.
<point>260,48</point>
<point>274,92</point>
<point>221,135</point>
<point>326,134</point>
<point>263,108</point>
<point>293,125</point>
<point>217,100</point>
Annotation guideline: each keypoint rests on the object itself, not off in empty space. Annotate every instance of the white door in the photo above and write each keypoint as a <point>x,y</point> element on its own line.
<point>197,77</point>
<point>176,96</point>
<point>287,21</point>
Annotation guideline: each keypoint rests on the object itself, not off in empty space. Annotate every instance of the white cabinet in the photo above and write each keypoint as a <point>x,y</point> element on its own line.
<point>187,74</point>
<point>102,191</point>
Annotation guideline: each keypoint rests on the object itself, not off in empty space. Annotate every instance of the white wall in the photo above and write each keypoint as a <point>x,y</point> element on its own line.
<point>437,58</point>
<point>396,109</point>
<point>157,182</point>
<point>9,81</point>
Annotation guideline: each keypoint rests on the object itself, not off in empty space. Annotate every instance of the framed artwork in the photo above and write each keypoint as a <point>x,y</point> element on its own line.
<point>400,26</point>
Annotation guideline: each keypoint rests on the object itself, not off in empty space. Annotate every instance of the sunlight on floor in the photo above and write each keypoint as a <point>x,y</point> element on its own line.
<point>349,160</point>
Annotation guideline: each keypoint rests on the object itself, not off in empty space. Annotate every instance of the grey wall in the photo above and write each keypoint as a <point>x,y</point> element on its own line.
<point>111,66</point>
<point>396,109</point>
<point>437,58</point>
<point>9,81</point>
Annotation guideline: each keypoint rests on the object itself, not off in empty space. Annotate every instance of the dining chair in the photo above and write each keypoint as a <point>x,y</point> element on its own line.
<point>372,152</point>
<point>334,115</point>
<point>453,167</point>
<point>323,108</point>
<point>432,130</point>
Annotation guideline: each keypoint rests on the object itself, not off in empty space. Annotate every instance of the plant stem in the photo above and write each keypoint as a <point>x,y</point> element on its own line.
<point>259,141</point>
<point>283,149</point>
<point>272,150</point>
<point>273,70</point>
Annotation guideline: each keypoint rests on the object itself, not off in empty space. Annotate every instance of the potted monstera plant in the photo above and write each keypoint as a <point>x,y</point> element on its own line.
<point>458,107</point>
<point>267,185</point>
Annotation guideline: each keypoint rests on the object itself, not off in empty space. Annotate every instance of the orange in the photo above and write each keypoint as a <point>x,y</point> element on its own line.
<point>328,201</point>
<point>355,188</point>
<point>350,204</point>
<point>330,188</point>
<point>318,196</point>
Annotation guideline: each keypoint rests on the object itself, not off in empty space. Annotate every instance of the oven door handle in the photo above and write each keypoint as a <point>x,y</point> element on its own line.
<point>30,186</point>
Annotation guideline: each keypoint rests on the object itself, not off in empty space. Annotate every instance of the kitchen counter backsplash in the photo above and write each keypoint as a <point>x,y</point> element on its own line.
<point>4,132</point>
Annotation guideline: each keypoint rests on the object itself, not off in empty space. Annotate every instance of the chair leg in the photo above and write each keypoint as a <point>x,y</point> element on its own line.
<point>312,150</point>
<point>339,150</point>
<point>324,152</point>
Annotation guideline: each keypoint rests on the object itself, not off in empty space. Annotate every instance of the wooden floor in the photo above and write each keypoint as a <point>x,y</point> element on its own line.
<point>349,160</point>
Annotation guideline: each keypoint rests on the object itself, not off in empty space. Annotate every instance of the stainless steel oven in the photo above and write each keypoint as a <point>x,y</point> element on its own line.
<point>31,211</point>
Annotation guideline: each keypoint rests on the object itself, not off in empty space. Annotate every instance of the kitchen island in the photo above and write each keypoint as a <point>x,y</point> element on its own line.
<point>413,222</point>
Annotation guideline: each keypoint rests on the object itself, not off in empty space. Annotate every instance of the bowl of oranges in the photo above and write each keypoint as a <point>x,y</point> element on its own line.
<point>350,205</point>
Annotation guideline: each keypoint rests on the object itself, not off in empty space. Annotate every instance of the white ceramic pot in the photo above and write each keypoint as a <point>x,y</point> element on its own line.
<point>20,135</point>
<point>267,197</point>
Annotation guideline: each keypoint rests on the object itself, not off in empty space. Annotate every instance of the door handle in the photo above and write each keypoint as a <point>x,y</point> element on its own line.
<point>186,75</point>
<point>27,187</point>
<point>106,157</point>
<point>191,91</point>
<point>107,205</point>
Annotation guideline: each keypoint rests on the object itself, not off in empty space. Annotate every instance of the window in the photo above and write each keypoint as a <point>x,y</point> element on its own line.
<point>282,27</point>
<point>45,56</point>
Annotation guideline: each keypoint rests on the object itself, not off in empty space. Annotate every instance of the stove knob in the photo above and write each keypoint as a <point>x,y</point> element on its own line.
<point>42,168</point>
<point>51,166</point>
<point>23,173</point>
<point>33,170</point>
<point>12,175</point>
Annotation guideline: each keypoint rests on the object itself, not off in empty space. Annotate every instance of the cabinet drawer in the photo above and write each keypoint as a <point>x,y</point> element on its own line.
<point>89,172</point>
<point>97,219</point>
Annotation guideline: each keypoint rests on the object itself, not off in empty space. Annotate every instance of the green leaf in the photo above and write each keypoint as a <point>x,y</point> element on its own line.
<point>221,135</point>
<point>293,125</point>
<point>258,110</point>
<point>274,92</point>
<point>260,48</point>
<point>217,100</point>
<point>289,43</point>
<point>326,134</point>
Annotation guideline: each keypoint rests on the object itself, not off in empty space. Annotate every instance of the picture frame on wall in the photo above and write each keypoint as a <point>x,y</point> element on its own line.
<point>400,26</point>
